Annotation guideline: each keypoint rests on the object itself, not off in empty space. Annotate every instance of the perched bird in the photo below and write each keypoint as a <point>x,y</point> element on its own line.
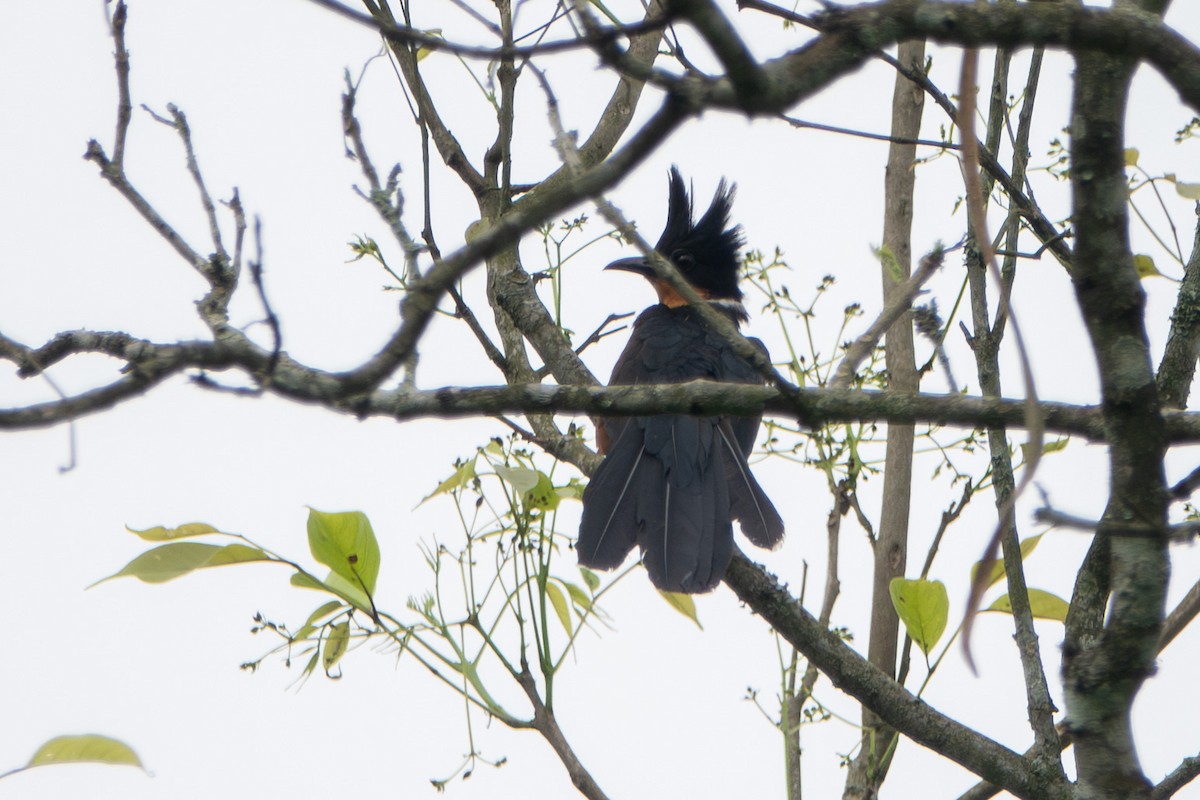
<point>673,484</point>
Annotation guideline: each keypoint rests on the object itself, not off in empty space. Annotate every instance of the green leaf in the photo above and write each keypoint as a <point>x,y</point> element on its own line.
<point>1131,156</point>
<point>923,608</point>
<point>161,534</point>
<point>306,581</point>
<point>572,491</point>
<point>1027,546</point>
<point>1056,445</point>
<point>543,496</point>
<point>352,592</point>
<point>463,475</point>
<point>310,624</point>
<point>522,479</point>
<point>559,601</point>
<point>335,645</point>
<point>1044,605</point>
<point>323,611</point>
<point>890,263</point>
<point>578,596</point>
<point>337,585</point>
<point>683,603</point>
<point>1047,447</point>
<point>311,666</point>
<point>590,578</point>
<point>87,748</point>
<point>345,542</point>
<point>169,561</point>
<point>534,487</point>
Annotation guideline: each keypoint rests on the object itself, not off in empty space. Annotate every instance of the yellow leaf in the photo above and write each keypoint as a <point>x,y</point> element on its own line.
<point>1131,156</point>
<point>1027,547</point>
<point>175,559</point>
<point>1144,265</point>
<point>92,748</point>
<point>684,604</point>
<point>1189,190</point>
<point>425,49</point>
<point>463,475</point>
<point>1042,604</point>
<point>161,534</point>
<point>335,645</point>
<point>559,601</point>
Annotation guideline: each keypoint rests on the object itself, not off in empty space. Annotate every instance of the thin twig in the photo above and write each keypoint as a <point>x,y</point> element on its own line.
<point>862,347</point>
<point>234,204</point>
<point>1034,423</point>
<point>1181,533</point>
<point>124,105</point>
<point>879,137</point>
<point>256,275</point>
<point>210,209</point>
<point>409,36</point>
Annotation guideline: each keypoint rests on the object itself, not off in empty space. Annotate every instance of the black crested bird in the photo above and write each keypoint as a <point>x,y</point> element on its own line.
<point>673,484</point>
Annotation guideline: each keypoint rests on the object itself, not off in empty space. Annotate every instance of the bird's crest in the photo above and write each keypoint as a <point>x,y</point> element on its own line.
<point>705,251</point>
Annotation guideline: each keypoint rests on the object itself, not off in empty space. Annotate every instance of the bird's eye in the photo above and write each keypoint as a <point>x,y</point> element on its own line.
<point>683,260</point>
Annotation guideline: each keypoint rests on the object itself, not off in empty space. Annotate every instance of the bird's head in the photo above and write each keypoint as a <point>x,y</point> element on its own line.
<point>705,251</point>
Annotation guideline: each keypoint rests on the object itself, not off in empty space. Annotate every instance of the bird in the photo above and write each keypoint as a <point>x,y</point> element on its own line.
<point>673,484</point>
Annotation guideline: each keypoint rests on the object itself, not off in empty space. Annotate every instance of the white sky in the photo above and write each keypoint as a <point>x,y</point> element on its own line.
<point>654,707</point>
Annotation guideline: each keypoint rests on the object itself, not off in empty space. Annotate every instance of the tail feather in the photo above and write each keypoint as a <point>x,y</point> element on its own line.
<point>749,504</point>
<point>673,485</point>
<point>685,533</point>
<point>608,529</point>
<point>683,513</point>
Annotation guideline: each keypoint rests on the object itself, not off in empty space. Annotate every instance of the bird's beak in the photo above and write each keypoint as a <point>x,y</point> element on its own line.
<point>636,265</point>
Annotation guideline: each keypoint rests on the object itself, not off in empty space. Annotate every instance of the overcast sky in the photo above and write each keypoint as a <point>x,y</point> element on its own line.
<point>653,706</point>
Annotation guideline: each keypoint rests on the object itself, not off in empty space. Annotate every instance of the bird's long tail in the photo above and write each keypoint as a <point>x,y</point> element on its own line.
<point>749,504</point>
<point>607,531</point>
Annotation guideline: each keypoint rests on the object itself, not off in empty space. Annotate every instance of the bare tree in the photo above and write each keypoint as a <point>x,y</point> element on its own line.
<point>1117,622</point>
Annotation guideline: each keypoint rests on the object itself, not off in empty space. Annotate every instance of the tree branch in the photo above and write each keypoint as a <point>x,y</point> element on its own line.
<point>1181,776</point>
<point>985,345</point>
<point>1178,365</point>
<point>545,723</point>
<point>407,35</point>
<point>851,673</point>
<point>1104,671</point>
<point>299,382</point>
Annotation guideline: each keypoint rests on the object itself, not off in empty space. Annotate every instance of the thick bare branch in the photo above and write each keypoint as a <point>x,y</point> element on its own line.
<point>1104,669</point>
<point>870,767</point>
<point>1178,365</point>
<point>1180,777</point>
<point>851,673</point>
<point>305,384</point>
